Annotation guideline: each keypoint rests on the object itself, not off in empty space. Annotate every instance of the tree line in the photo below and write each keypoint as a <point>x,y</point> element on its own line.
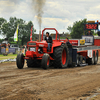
<point>77,30</point>
<point>8,28</point>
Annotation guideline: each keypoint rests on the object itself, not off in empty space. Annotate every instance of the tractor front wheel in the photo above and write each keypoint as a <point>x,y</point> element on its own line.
<point>45,61</point>
<point>20,61</point>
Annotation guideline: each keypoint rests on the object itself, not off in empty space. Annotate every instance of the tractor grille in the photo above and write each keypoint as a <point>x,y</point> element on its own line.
<point>32,44</point>
<point>32,49</point>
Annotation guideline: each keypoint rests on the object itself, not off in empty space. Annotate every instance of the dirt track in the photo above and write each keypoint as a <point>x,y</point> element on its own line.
<point>79,83</point>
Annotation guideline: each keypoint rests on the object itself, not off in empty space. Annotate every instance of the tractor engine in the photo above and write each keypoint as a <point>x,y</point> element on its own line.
<point>34,48</point>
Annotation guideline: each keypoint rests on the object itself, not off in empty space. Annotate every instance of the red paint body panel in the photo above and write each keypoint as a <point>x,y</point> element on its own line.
<point>73,42</point>
<point>99,52</point>
<point>97,42</point>
<point>29,54</point>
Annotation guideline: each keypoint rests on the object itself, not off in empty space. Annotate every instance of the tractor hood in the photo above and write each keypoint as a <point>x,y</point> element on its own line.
<point>42,44</point>
<point>33,48</point>
<point>37,44</point>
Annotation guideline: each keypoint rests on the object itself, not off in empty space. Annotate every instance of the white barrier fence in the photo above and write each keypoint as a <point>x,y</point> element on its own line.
<point>8,60</point>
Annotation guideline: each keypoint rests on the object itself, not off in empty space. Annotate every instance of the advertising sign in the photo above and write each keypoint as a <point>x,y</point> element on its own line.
<point>82,42</point>
<point>89,40</point>
<point>74,42</point>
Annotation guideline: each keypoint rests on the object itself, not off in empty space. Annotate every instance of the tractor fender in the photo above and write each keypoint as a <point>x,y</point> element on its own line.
<point>57,44</point>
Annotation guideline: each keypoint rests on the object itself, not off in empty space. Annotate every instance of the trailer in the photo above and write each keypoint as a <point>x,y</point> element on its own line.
<point>88,50</point>
<point>79,52</point>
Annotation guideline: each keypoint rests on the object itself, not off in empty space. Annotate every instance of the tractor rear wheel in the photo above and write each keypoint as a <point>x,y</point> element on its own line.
<point>20,61</point>
<point>61,56</point>
<point>45,61</point>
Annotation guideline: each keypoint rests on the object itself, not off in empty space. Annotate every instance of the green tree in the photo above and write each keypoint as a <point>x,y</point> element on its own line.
<point>8,29</point>
<point>1,40</point>
<point>24,32</point>
<point>2,21</point>
<point>69,28</point>
<point>78,29</point>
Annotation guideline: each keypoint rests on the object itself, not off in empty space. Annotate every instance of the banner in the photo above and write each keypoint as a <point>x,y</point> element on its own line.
<point>16,34</point>
<point>31,34</point>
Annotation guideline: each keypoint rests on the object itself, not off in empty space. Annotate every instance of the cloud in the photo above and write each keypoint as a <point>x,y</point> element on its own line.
<point>57,13</point>
<point>14,8</point>
<point>65,12</point>
<point>93,17</point>
<point>58,23</point>
<point>7,8</point>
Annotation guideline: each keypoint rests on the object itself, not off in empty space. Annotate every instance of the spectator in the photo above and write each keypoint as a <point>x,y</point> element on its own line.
<point>89,33</point>
<point>8,45</point>
<point>4,45</point>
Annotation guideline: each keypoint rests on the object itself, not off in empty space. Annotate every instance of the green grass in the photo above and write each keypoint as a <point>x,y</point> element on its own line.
<point>9,56</point>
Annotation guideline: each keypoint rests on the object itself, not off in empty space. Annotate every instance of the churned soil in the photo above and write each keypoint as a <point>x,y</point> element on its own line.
<point>78,83</point>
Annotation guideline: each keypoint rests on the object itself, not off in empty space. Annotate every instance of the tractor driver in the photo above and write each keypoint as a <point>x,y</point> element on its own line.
<point>48,40</point>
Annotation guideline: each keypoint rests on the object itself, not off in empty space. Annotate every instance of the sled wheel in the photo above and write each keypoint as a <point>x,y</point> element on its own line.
<point>96,58</point>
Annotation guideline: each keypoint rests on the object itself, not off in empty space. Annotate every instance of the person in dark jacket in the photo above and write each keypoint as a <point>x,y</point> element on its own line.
<point>67,41</point>
<point>48,40</point>
<point>89,33</point>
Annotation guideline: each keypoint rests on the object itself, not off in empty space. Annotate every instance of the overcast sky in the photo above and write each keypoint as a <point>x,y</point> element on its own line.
<point>57,13</point>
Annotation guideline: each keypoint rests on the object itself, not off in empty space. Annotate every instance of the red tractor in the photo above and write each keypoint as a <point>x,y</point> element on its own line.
<point>37,54</point>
